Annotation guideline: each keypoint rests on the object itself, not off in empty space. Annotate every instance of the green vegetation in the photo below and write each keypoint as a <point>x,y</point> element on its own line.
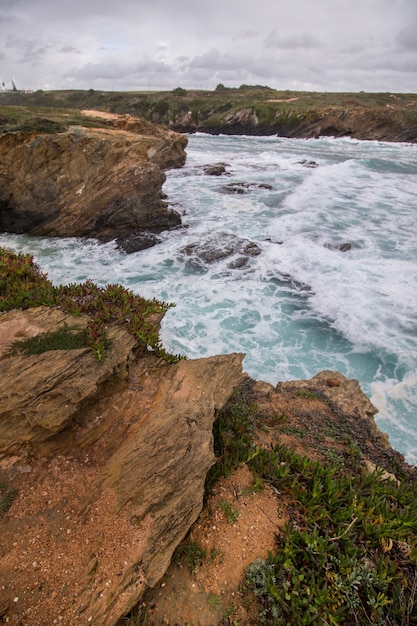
<point>7,496</point>
<point>276,110</point>
<point>23,285</point>
<point>349,552</point>
<point>213,601</point>
<point>229,511</point>
<point>64,338</point>
<point>179,91</point>
<point>43,119</point>
<point>233,431</point>
<point>191,553</point>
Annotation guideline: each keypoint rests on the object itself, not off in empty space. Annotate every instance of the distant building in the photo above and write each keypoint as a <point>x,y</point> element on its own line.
<point>14,89</point>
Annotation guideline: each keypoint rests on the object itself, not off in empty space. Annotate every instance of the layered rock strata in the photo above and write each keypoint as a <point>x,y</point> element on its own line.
<point>88,182</point>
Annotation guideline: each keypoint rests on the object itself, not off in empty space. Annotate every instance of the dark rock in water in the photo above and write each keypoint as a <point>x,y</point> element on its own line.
<point>243,188</point>
<point>238,263</point>
<point>307,163</point>
<point>133,242</point>
<point>217,169</point>
<point>343,247</point>
<point>273,241</point>
<point>219,246</point>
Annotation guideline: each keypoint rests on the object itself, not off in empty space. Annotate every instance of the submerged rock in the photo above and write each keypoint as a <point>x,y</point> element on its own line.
<point>219,246</point>
<point>244,188</point>
<point>343,247</point>
<point>216,169</point>
<point>134,242</point>
<point>308,163</point>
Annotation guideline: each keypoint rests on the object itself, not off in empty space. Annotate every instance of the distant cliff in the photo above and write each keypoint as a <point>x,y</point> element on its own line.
<point>251,110</point>
<point>103,181</point>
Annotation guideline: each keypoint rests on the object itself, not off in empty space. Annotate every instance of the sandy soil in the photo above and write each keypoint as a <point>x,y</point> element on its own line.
<point>212,593</point>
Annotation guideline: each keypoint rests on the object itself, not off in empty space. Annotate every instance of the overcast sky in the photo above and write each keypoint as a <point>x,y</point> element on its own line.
<point>313,45</point>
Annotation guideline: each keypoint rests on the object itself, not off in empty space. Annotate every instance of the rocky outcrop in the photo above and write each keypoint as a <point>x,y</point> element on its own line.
<point>88,182</point>
<point>221,246</point>
<point>109,461</point>
<point>41,394</point>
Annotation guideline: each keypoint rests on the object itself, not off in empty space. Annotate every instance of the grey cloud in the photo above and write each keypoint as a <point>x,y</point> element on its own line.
<point>29,50</point>
<point>407,37</point>
<point>213,59</point>
<point>246,34</point>
<point>98,71</point>
<point>291,40</point>
<point>68,48</point>
<point>53,43</point>
<point>114,70</point>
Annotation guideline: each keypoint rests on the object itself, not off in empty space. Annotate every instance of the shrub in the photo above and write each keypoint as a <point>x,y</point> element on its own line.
<point>348,553</point>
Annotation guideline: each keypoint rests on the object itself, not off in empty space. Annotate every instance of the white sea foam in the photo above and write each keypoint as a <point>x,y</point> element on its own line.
<point>301,305</point>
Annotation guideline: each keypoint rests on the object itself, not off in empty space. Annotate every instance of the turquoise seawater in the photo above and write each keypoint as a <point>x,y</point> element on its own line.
<point>302,305</point>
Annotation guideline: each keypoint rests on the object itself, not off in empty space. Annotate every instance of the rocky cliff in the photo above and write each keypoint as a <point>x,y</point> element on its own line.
<point>355,122</point>
<point>88,182</point>
<point>109,462</point>
<point>249,110</point>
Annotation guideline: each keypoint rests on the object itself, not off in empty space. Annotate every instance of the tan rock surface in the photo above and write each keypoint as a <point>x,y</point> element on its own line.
<point>313,419</point>
<point>106,494</point>
<point>96,182</point>
<point>41,394</point>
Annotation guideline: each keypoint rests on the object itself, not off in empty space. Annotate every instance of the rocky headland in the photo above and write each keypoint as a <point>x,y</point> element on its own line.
<point>103,181</point>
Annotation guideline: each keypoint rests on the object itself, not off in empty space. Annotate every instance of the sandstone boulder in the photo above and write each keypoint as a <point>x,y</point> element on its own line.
<point>216,169</point>
<point>42,393</point>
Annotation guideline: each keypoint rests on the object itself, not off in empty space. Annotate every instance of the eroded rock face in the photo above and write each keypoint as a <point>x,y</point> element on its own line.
<point>109,461</point>
<point>95,182</point>
<point>41,394</point>
<point>346,397</point>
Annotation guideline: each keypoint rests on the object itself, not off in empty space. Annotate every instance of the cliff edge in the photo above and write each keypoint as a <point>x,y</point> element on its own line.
<point>103,181</point>
<point>107,462</point>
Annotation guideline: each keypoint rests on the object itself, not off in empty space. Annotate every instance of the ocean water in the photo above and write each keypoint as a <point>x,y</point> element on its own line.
<point>302,304</point>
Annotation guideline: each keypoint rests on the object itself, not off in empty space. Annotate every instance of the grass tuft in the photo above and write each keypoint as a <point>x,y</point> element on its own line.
<point>7,497</point>
<point>191,553</point>
<point>64,338</point>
